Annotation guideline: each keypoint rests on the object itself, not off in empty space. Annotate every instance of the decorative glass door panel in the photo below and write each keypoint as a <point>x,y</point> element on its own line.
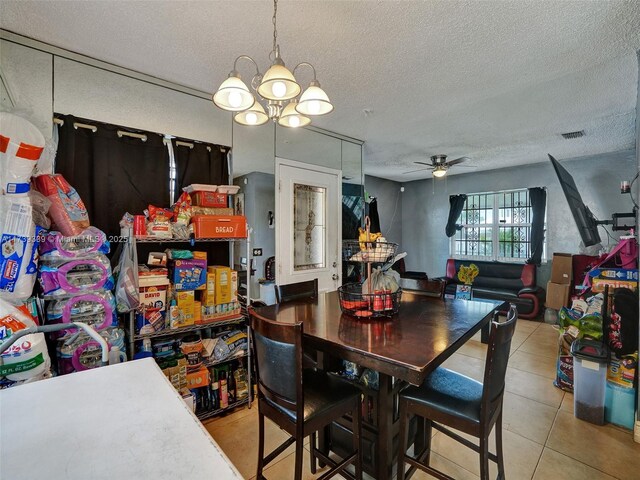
<point>309,227</point>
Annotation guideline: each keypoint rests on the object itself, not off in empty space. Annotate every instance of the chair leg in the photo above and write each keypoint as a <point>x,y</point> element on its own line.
<point>312,450</point>
<point>427,441</point>
<point>402,439</point>
<point>357,437</point>
<point>484,457</point>
<point>299,452</point>
<point>499,451</point>
<point>260,446</point>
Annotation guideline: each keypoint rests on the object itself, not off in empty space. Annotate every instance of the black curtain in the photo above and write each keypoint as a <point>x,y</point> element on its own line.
<point>456,204</point>
<point>112,174</point>
<point>202,163</point>
<point>538,198</point>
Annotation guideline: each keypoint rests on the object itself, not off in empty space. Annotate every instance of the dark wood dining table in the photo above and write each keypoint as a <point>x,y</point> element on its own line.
<point>403,349</point>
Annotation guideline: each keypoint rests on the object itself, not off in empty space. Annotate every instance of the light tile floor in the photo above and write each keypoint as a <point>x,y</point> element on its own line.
<point>542,439</point>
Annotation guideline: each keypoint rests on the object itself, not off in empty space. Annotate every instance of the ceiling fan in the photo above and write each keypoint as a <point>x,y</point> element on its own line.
<point>439,165</point>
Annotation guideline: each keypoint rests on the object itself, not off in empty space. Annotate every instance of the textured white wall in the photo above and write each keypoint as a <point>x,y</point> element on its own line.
<point>28,73</point>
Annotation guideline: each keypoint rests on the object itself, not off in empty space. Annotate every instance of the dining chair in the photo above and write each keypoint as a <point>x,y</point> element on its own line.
<point>423,286</point>
<point>300,291</point>
<point>297,291</point>
<point>300,401</point>
<point>449,398</point>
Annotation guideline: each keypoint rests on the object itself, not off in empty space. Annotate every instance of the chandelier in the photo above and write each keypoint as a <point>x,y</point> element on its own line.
<point>277,88</point>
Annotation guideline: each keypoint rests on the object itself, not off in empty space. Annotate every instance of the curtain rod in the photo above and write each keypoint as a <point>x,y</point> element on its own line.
<point>121,133</point>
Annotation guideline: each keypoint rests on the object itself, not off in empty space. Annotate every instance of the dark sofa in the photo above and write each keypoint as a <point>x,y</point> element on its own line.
<point>514,283</point>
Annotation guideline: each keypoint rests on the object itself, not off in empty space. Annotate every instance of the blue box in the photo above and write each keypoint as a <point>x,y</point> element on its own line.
<point>615,274</point>
<point>619,405</point>
<point>188,274</point>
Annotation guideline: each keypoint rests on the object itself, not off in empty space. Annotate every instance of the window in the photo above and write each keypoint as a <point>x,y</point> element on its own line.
<point>495,226</point>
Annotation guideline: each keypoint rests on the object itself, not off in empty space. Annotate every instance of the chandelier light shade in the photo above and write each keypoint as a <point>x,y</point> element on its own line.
<point>277,88</point>
<point>233,95</point>
<point>291,118</point>
<point>314,101</point>
<point>254,116</point>
<point>278,84</point>
<point>439,171</point>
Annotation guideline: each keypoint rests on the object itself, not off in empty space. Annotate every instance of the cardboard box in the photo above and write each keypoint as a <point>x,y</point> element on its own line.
<point>188,274</point>
<point>210,199</point>
<point>197,312</point>
<point>199,378</point>
<point>557,295</point>
<point>598,284</point>
<point>615,274</point>
<point>561,268</point>
<point>222,284</point>
<point>234,286</point>
<point>208,295</point>
<point>185,300</point>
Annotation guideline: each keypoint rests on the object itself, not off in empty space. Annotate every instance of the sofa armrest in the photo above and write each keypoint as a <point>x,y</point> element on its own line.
<point>537,291</point>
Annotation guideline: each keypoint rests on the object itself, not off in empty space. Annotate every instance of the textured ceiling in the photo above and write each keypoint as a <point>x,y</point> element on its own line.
<point>497,81</point>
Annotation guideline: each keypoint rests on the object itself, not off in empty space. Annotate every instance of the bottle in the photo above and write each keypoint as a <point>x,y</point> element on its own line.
<point>224,397</point>
<point>231,387</point>
<point>114,355</point>
<point>215,396</point>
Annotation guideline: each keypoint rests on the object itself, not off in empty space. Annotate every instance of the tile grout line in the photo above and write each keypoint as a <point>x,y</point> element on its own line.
<point>555,418</point>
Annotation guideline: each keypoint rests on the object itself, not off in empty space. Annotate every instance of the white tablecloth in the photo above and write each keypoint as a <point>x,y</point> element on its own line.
<point>118,422</point>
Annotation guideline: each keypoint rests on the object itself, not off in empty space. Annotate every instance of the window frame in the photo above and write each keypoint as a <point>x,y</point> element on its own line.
<point>495,226</point>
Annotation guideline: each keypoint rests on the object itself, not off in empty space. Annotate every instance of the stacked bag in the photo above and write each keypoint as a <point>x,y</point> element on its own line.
<point>22,217</point>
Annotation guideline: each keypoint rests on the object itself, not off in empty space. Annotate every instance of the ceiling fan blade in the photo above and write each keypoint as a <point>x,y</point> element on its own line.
<point>423,163</point>
<point>466,166</point>
<point>458,160</point>
<point>420,170</point>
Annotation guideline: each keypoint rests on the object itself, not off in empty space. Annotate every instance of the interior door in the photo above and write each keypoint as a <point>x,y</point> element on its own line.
<point>308,224</point>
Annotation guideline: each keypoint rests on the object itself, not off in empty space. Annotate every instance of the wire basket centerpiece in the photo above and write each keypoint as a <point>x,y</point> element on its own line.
<point>368,252</point>
<point>380,303</point>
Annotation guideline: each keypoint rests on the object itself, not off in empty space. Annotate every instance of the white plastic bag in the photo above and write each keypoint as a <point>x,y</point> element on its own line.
<point>18,248</point>
<point>27,357</point>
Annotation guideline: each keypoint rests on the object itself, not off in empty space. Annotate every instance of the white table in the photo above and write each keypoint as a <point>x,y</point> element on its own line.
<point>123,421</point>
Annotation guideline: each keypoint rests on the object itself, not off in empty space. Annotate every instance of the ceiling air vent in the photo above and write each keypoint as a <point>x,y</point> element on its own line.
<point>571,135</point>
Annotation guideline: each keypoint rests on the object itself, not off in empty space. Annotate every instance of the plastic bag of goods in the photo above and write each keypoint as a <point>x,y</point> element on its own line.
<point>62,276</point>
<point>229,343</point>
<point>21,145</point>
<point>67,212</point>
<point>96,309</point>
<point>90,241</point>
<point>27,357</point>
<point>19,248</point>
<point>81,352</point>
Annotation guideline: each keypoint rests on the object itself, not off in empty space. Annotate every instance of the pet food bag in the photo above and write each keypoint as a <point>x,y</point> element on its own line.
<point>67,212</point>
<point>21,145</point>
<point>19,249</point>
<point>27,357</point>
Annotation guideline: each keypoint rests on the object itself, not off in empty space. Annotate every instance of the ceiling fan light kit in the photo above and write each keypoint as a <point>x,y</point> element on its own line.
<point>278,88</point>
<point>439,165</point>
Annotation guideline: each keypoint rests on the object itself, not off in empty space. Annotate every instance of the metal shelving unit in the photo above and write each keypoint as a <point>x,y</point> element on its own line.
<point>235,320</point>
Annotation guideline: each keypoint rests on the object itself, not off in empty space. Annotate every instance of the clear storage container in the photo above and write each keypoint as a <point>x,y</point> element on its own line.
<point>590,360</point>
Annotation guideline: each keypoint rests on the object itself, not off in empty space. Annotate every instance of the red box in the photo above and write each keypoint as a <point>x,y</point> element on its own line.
<point>219,226</point>
<point>209,199</point>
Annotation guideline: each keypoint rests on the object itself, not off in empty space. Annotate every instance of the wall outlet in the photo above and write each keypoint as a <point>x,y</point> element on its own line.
<point>257,252</point>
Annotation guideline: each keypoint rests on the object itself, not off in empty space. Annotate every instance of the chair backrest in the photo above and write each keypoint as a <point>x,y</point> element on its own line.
<point>497,358</point>
<point>278,355</point>
<point>297,291</point>
<point>423,286</point>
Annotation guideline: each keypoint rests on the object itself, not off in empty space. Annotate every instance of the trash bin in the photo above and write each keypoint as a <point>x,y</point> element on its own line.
<point>590,360</point>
